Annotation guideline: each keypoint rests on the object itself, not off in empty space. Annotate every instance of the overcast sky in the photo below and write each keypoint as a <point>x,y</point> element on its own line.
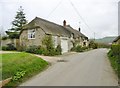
<point>99,16</point>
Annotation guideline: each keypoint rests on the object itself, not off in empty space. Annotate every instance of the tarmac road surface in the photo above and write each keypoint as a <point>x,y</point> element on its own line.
<point>90,68</point>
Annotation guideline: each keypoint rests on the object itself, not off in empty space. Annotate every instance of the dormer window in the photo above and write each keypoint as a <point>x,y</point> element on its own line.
<point>31,34</point>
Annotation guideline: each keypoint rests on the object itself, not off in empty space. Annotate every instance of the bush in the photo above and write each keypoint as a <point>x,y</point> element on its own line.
<point>4,48</point>
<point>41,50</point>
<point>93,45</point>
<point>77,49</point>
<point>9,47</point>
<point>73,49</point>
<point>46,52</point>
<point>49,52</point>
<point>53,51</point>
<point>18,75</point>
<point>84,48</point>
<point>116,50</point>
<point>114,56</point>
<point>35,49</point>
<point>21,48</point>
<point>31,49</point>
<point>49,46</point>
<point>4,37</point>
<point>58,50</point>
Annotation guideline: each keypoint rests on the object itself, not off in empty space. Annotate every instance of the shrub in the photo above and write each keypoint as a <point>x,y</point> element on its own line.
<point>116,50</point>
<point>9,47</point>
<point>4,37</point>
<point>84,48</point>
<point>40,50</point>
<point>50,52</point>
<point>47,41</point>
<point>73,49</point>
<point>18,75</point>
<point>21,48</point>
<point>114,56</point>
<point>4,48</point>
<point>93,45</point>
<point>45,52</point>
<point>77,49</point>
<point>58,50</point>
<point>49,46</point>
<point>35,49</point>
<point>31,49</point>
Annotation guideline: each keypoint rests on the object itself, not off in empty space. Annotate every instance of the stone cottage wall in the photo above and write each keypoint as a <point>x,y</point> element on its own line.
<point>39,35</point>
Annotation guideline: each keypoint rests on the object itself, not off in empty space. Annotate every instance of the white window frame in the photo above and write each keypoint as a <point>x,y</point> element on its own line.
<point>31,34</point>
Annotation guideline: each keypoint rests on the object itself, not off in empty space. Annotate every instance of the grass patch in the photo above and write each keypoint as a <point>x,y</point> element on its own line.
<point>21,66</point>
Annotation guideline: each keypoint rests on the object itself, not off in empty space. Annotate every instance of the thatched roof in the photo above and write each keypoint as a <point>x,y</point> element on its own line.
<point>53,28</point>
<point>75,32</point>
<point>48,27</point>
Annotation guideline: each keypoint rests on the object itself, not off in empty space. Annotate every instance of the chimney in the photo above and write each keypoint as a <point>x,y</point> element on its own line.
<point>64,23</point>
<point>79,29</point>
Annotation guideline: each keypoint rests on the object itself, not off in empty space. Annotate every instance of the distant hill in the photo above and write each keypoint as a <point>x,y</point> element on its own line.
<point>106,40</point>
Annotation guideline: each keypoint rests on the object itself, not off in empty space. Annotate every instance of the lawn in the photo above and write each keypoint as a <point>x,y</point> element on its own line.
<point>21,66</point>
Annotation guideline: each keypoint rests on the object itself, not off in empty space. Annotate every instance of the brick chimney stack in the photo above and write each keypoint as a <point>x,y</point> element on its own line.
<point>64,23</point>
<point>79,29</point>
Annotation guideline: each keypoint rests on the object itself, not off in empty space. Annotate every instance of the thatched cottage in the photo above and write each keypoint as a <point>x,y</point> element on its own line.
<point>34,32</point>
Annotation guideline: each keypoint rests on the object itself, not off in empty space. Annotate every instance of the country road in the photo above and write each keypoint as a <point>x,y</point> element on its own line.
<point>90,68</point>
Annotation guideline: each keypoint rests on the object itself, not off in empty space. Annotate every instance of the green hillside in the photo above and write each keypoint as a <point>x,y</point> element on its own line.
<point>105,40</point>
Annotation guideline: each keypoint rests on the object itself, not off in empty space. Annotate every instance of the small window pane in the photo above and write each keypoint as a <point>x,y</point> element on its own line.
<point>31,34</point>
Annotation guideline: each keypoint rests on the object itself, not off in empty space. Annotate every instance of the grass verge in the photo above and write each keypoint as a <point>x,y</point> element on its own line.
<point>114,62</point>
<point>21,66</point>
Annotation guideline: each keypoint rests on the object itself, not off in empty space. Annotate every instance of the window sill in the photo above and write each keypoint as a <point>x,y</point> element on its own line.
<point>31,38</point>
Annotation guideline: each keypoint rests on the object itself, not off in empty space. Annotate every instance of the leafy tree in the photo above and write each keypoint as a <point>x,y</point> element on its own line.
<point>17,24</point>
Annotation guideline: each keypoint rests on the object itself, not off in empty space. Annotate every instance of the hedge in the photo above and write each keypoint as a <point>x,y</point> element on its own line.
<point>114,56</point>
<point>116,50</point>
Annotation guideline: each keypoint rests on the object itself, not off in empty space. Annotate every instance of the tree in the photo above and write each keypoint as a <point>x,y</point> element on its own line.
<point>17,24</point>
